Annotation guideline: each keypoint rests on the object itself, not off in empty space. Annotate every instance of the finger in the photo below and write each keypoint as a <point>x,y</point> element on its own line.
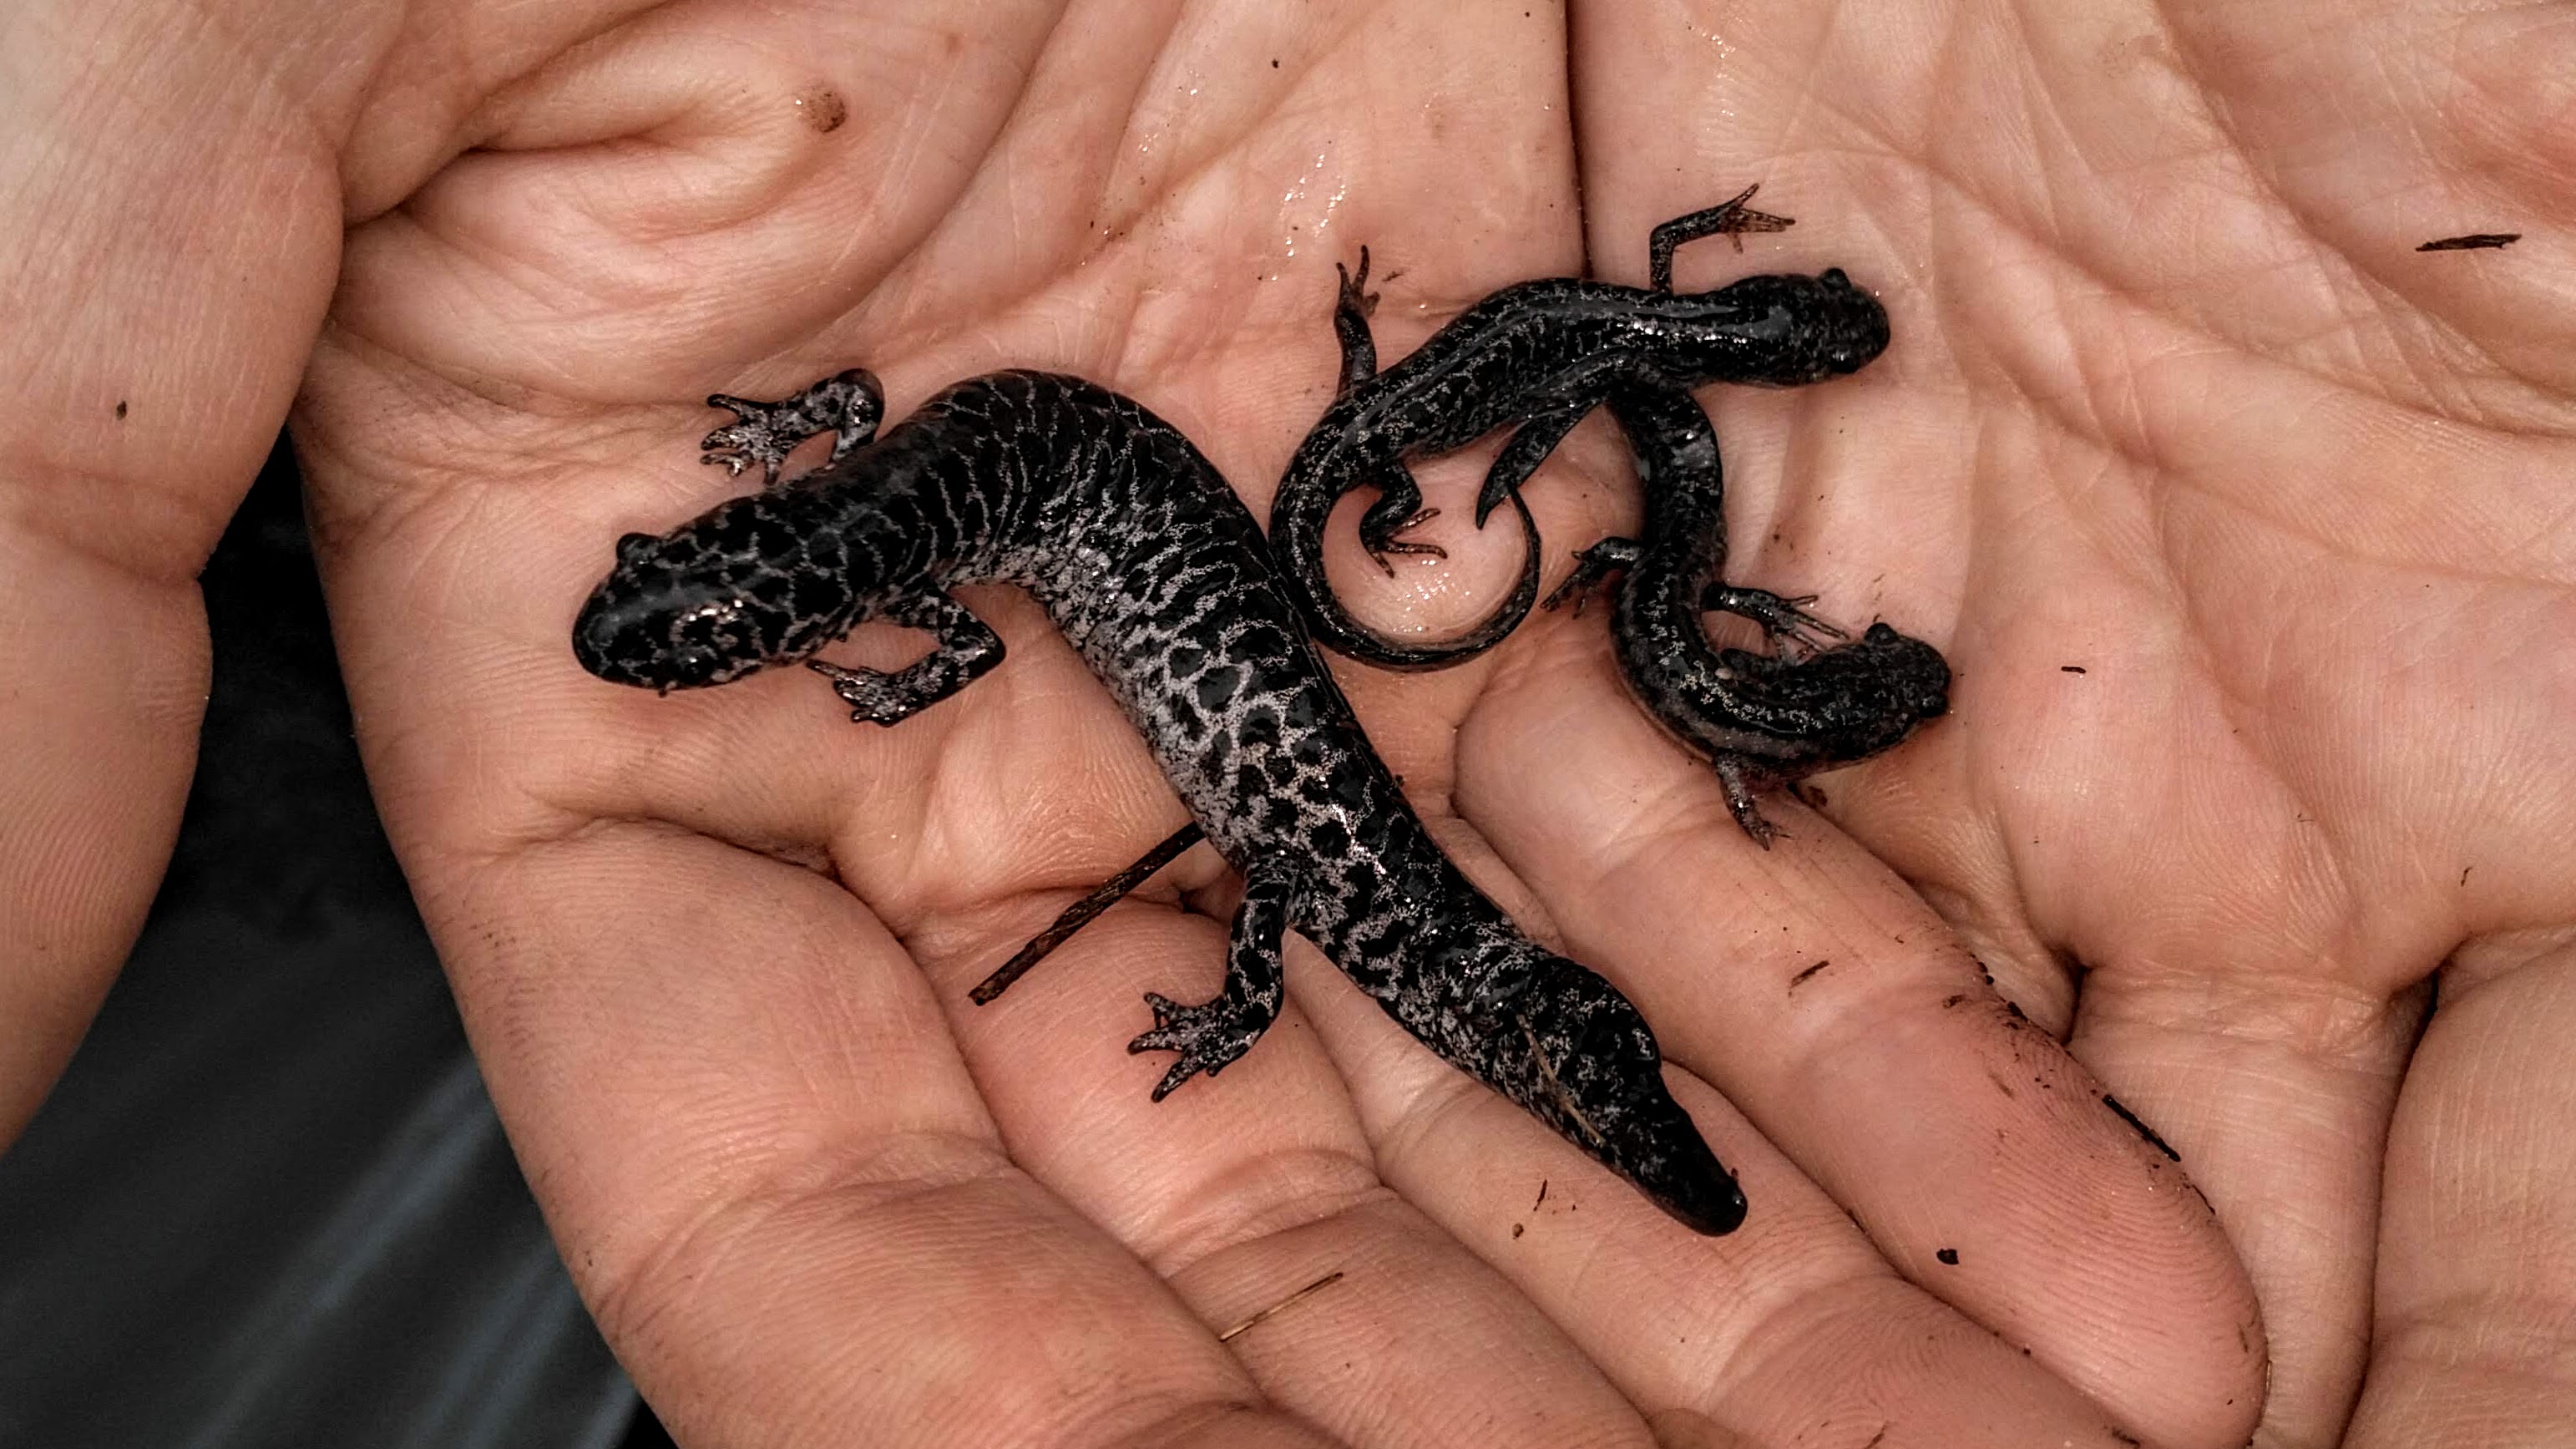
<point>148,380</point>
<point>2275,1088</point>
<point>770,1173</point>
<point>1817,992</point>
<point>108,677</point>
<point>1254,1194</point>
<point>2477,1282</point>
<point>1789,1331</point>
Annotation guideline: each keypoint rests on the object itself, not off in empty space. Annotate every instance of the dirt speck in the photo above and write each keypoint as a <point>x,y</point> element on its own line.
<point>822,108</point>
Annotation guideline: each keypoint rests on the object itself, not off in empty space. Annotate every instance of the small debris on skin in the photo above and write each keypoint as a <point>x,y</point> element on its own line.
<point>2143,1130</point>
<point>1326,1281</point>
<point>822,108</point>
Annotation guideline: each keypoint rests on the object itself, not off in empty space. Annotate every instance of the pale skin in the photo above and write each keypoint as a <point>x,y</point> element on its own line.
<point>2172,400</point>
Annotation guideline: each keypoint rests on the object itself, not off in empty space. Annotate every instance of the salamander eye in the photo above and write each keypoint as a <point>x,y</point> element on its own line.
<point>635,546</point>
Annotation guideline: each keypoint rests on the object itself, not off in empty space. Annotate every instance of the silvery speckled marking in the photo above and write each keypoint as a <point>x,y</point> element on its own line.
<point>1159,577</point>
<point>1758,718</point>
<point>1540,355</point>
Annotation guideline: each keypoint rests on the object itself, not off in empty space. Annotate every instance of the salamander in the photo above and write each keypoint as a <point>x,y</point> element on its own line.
<point>1159,577</point>
<point>1536,356</point>
<point>1759,719</point>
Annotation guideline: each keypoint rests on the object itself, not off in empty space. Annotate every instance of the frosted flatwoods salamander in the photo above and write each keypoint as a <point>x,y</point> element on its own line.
<point>1159,578</point>
<point>1536,356</point>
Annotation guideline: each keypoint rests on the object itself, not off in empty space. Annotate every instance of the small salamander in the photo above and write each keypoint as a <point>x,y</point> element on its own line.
<point>1759,718</point>
<point>1158,576</point>
<point>1540,355</point>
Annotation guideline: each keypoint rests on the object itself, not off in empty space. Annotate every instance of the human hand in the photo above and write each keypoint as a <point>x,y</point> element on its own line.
<point>779,1152</point>
<point>2174,400</point>
<point>164,259</point>
<point>713,949</point>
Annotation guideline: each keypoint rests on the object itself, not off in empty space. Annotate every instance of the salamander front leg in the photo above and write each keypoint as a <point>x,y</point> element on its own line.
<point>848,405</point>
<point>1211,1035</point>
<point>1730,217</point>
<point>1593,568</point>
<point>1780,618</point>
<point>966,650</point>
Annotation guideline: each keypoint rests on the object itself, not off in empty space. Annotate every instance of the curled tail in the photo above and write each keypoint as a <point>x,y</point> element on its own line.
<point>1297,543</point>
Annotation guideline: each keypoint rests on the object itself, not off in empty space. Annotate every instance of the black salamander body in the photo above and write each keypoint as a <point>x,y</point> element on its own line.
<point>1540,355</point>
<point>1759,718</point>
<point>1159,577</point>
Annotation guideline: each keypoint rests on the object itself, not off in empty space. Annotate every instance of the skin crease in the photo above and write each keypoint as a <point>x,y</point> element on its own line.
<point>2172,399</point>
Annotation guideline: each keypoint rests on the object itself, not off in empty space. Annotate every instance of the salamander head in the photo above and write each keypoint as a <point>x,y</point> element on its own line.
<point>712,600</point>
<point>1850,327</point>
<point>1825,326</point>
<point>1576,1054</point>
<point>1846,703</point>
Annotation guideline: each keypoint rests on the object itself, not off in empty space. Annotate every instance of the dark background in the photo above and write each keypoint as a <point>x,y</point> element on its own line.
<point>269,1203</point>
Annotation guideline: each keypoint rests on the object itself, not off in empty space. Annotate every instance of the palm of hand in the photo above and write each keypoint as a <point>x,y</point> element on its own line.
<point>738,1087</point>
<point>2181,406</point>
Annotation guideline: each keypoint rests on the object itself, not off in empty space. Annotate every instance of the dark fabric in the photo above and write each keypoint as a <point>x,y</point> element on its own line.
<point>270,1204</point>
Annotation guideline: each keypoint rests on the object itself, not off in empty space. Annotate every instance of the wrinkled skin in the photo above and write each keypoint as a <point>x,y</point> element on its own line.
<point>2171,399</point>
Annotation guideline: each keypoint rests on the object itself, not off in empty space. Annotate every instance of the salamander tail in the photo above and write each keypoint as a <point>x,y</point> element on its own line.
<point>1331,625</point>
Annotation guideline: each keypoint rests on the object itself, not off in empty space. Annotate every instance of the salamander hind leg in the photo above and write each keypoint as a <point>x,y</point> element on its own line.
<point>1210,1035</point>
<point>966,650</point>
<point>1593,568</point>
<point>1398,507</point>
<point>848,405</point>
<point>1730,217</point>
<point>1351,313</point>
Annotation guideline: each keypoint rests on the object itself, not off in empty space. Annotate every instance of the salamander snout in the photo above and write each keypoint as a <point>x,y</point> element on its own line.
<point>1787,329</point>
<point>684,610</point>
<point>1591,1070</point>
<point>1845,326</point>
<point>657,642</point>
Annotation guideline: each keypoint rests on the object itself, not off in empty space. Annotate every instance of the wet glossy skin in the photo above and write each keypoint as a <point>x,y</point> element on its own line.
<point>1159,577</point>
<point>1758,718</point>
<point>1537,357</point>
